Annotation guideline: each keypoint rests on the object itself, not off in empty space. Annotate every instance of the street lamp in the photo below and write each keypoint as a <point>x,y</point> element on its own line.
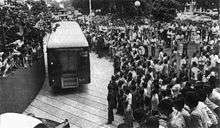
<point>218,9</point>
<point>90,7</point>
<point>137,4</point>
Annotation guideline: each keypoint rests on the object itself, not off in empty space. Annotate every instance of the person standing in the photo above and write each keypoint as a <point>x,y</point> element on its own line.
<point>120,109</point>
<point>100,43</point>
<point>110,98</point>
<point>116,64</point>
<point>146,43</point>
<point>154,101</point>
<point>185,48</point>
<point>169,38</point>
<point>153,48</point>
<point>128,110</point>
<point>89,39</point>
<point>173,117</point>
<point>94,43</point>
<point>197,116</point>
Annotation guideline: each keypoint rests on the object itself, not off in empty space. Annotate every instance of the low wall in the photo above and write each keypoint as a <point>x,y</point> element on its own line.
<point>19,88</point>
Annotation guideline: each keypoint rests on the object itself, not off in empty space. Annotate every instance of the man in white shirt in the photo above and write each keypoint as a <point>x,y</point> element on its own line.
<point>214,60</point>
<point>194,59</point>
<point>174,118</point>
<point>195,70</point>
<point>128,110</point>
<point>214,96</point>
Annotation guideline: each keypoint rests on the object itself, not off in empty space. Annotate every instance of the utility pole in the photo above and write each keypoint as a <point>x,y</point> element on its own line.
<point>218,9</point>
<point>90,7</point>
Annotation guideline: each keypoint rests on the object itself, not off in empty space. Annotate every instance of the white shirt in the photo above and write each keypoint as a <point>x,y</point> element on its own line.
<point>176,120</point>
<point>182,61</point>
<point>210,118</point>
<point>134,75</point>
<point>142,50</point>
<point>215,29</point>
<point>202,60</point>
<point>214,59</point>
<point>195,59</point>
<point>215,97</point>
<point>210,104</point>
<point>195,70</point>
<point>129,100</point>
<point>184,28</point>
<point>154,102</point>
<point>147,91</point>
<point>161,55</point>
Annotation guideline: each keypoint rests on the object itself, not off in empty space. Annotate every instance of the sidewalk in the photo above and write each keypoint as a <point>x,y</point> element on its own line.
<point>19,88</point>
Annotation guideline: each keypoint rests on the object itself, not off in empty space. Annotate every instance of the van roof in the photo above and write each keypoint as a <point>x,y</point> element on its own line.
<point>67,35</point>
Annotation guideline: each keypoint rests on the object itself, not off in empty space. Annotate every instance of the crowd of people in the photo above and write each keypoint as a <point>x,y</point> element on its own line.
<point>21,37</point>
<point>165,74</point>
<point>19,55</point>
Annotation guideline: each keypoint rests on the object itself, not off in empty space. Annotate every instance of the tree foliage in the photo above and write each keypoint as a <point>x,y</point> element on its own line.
<point>54,7</point>
<point>128,8</point>
<point>121,7</point>
<point>17,22</point>
<point>38,7</point>
<point>164,10</point>
<point>204,4</point>
<point>207,4</point>
<point>83,5</point>
<point>160,9</point>
<point>182,4</point>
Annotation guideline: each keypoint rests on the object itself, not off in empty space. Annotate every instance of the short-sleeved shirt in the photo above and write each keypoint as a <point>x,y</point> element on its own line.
<point>210,104</point>
<point>176,120</point>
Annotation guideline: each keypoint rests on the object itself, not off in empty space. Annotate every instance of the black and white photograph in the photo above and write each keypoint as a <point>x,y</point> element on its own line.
<point>109,63</point>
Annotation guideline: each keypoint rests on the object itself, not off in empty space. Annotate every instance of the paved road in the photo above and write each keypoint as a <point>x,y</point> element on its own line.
<point>85,107</point>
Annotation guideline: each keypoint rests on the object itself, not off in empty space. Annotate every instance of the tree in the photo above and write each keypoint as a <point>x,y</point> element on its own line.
<point>164,10</point>
<point>54,7</point>
<point>17,22</point>
<point>82,5</point>
<point>120,7</point>
<point>207,4</point>
<point>127,8</point>
<point>183,3</point>
<point>38,7</point>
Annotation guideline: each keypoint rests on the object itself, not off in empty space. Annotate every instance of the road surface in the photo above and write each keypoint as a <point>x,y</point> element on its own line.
<point>85,107</point>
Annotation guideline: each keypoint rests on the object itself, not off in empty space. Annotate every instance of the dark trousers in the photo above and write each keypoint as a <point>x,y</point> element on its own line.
<point>168,43</point>
<point>110,114</point>
<point>128,119</point>
<point>217,111</point>
<point>185,51</point>
<point>99,52</point>
<point>146,51</point>
<point>120,108</point>
<point>152,51</point>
